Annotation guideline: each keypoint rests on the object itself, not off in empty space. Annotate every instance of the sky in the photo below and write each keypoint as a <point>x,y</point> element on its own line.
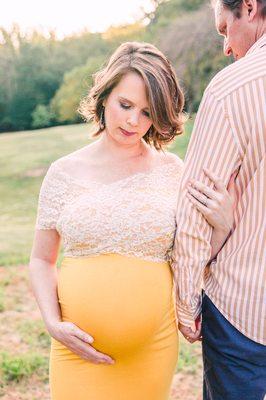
<point>67,17</point>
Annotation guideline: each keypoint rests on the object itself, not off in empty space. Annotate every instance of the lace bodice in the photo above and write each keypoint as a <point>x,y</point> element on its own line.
<point>134,216</point>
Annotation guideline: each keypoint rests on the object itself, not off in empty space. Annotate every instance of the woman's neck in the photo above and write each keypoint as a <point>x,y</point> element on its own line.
<point>113,149</point>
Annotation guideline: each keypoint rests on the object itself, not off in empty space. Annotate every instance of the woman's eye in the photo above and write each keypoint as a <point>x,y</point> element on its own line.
<point>125,106</point>
<point>147,114</point>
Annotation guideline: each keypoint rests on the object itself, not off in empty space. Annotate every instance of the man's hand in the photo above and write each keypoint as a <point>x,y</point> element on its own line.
<point>191,335</point>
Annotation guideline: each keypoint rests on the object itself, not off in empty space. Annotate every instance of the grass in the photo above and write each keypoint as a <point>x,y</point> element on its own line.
<point>34,334</point>
<point>24,342</point>
<point>25,157</point>
<point>16,368</point>
<point>189,358</point>
<point>2,302</point>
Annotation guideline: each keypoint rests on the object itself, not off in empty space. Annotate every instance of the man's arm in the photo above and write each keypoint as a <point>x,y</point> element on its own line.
<point>212,146</point>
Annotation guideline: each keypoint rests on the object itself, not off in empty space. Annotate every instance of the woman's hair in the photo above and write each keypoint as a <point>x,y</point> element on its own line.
<point>165,97</point>
<point>235,6</point>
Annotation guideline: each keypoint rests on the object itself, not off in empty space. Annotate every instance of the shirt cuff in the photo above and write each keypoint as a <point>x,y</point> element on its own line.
<point>187,317</point>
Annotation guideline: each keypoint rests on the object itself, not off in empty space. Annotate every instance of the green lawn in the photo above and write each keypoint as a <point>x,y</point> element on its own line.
<point>25,156</point>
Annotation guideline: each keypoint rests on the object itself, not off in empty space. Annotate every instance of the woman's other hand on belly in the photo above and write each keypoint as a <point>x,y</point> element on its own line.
<point>78,341</point>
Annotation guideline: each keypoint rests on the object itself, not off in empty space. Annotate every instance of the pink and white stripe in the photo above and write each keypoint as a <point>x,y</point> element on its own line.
<point>229,135</point>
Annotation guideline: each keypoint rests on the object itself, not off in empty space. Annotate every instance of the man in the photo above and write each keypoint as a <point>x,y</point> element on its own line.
<point>229,136</point>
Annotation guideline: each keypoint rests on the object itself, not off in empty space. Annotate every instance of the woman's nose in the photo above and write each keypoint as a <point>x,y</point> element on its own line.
<point>133,119</point>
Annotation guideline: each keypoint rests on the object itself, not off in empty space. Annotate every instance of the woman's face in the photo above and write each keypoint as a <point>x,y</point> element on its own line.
<point>127,115</point>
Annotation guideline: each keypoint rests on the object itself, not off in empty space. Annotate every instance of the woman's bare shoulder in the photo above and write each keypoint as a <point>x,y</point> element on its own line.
<point>75,159</point>
<point>168,157</point>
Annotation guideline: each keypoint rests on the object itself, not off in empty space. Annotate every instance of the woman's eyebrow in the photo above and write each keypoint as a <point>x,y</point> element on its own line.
<point>125,99</point>
<point>131,102</point>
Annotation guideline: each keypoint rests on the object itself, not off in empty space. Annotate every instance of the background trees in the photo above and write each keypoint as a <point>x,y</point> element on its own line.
<point>42,79</point>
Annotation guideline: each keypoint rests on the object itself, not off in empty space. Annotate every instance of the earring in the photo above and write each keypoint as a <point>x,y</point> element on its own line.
<point>102,120</point>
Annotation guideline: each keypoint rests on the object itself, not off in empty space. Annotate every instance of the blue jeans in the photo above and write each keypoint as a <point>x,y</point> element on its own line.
<point>234,365</point>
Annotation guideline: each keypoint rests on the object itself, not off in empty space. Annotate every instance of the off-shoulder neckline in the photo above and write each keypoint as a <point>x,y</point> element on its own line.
<point>93,182</point>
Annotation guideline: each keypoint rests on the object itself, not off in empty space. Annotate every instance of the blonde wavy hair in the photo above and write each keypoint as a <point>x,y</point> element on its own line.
<point>165,97</point>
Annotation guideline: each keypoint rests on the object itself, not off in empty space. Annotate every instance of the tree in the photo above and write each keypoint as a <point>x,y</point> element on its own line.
<point>196,53</point>
<point>32,68</point>
<point>76,84</point>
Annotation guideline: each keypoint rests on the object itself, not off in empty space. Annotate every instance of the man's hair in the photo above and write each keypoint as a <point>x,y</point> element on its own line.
<point>235,6</point>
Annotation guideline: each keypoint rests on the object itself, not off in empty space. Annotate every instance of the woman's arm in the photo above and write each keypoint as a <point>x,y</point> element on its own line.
<point>217,206</point>
<point>43,276</point>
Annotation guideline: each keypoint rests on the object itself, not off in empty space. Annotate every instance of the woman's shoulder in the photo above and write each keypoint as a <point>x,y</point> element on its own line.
<point>172,159</point>
<point>171,166</point>
<point>71,162</point>
<point>72,157</point>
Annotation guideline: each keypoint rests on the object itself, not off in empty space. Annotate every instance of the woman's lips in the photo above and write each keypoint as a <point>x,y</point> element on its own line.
<point>126,133</point>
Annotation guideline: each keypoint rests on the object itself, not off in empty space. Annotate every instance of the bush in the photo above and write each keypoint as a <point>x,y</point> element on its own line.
<point>42,116</point>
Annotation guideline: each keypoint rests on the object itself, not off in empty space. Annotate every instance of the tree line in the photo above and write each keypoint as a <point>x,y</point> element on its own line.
<point>42,79</point>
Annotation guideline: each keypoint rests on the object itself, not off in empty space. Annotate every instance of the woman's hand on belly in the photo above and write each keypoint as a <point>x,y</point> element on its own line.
<point>78,341</point>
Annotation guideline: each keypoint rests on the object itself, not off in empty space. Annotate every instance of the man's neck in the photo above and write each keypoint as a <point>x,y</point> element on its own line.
<point>261,30</point>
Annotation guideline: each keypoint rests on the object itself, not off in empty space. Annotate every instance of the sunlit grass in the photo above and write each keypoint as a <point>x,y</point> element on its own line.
<point>24,159</point>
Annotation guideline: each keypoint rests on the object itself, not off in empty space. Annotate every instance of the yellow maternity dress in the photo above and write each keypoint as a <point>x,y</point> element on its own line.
<point>115,281</point>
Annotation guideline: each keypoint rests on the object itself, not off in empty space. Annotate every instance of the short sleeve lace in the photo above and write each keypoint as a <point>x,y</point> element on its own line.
<point>133,216</point>
<point>52,197</point>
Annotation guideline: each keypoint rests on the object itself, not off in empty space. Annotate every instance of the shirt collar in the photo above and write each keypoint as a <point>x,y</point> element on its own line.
<point>258,44</point>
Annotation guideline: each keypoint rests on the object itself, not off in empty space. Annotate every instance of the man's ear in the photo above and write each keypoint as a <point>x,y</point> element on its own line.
<point>250,9</point>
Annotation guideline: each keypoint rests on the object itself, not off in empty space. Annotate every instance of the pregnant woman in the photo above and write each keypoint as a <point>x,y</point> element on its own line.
<point>110,310</point>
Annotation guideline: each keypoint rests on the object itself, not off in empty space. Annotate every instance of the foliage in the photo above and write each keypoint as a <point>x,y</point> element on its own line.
<point>116,35</point>
<point>42,116</point>
<point>75,86</point>
<point>196,54</point>
<point>42,79</point>
<point>165,11</point>
<point>32,68</point>
<point>14,368</point>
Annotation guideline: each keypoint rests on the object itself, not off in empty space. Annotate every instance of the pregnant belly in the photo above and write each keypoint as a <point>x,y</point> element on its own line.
<point>122,302</point>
